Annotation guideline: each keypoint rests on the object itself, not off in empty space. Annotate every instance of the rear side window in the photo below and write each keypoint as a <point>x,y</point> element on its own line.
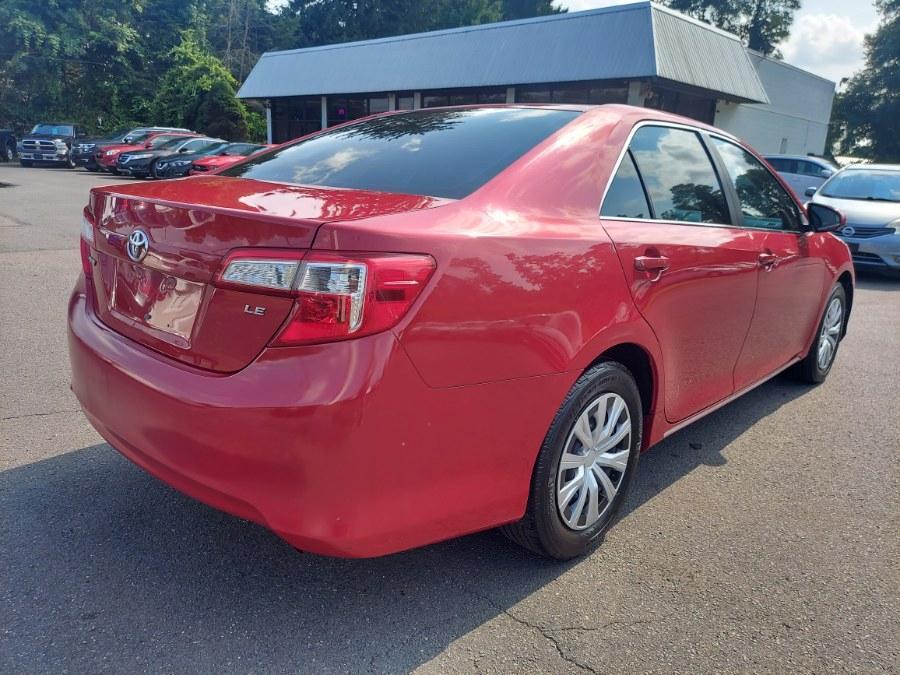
<point>679,176</point>
<point>764,203</point>
<point>440,153</point>
<point>626,197</point>
<point>783,165</point>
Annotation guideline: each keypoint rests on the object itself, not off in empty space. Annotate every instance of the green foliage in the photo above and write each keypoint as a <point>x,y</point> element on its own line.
<point>761,24</point>
<point>523,9</point>
<point>866,117</point>
<point>198,92</point>
<point>114,63</point>
<point>318,22</point>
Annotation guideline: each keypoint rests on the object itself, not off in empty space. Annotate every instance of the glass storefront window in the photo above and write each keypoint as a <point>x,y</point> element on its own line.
<point>696,107</point>
<point>295,117</point>
<point>433,99</point>
<point>575,93</point>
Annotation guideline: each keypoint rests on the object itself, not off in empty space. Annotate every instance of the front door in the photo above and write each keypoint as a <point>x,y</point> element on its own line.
<point>692,274</point>
<point>790,279</point>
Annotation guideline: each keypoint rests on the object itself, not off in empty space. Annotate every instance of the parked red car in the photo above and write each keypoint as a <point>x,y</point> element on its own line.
<point>428,323</point>
<point>106,157</point>
<point>237,152</point>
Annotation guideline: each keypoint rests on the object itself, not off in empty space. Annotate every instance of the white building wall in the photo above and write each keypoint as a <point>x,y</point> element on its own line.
<point>796,119</point>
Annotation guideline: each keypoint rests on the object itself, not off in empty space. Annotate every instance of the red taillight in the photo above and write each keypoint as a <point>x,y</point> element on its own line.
<point>337,296</point>
<point>87,239</point>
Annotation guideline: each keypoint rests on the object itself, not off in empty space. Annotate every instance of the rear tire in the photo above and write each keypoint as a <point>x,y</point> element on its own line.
<point>816,365</point>
<point>571,505</point>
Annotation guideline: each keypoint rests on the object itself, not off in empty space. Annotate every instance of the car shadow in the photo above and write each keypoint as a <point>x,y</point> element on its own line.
<point>872,281</point>
<point>104,566</point>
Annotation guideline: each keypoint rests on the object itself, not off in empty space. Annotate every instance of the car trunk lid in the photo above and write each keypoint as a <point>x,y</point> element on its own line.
<point>158,288</point>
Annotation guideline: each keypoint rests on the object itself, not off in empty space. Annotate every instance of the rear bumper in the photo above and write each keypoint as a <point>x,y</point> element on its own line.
<point>341,449</point>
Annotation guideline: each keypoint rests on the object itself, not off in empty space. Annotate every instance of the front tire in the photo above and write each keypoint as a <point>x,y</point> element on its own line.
<point>70,161</point>
<point>817,363</point>
<point>584,467</point>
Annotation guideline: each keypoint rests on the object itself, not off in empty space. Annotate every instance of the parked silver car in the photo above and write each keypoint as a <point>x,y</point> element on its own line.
<point>869,195</point>
<point>802,172</point>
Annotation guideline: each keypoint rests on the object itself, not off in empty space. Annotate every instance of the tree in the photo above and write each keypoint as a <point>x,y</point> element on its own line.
<point>524,9</point>
<point>761,24</point>
<point>69,59</point>
<point>866,117</point>
<point>319,22</point>
<point>198,92</point>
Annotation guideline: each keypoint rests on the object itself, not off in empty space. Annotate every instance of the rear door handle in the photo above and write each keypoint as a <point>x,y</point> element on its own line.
<point>651,263</point>
<point>768,260</point>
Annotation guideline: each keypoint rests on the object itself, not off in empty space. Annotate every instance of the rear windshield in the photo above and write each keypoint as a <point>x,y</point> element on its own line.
<point>440,153</point>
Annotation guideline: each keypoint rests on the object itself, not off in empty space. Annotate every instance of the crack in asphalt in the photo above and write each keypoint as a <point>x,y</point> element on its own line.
<point>547,631</point>
<point>40,414</point>
<point>552,639</point>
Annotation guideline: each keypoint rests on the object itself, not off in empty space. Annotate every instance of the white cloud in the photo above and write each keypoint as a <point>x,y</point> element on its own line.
<point>826,44</point>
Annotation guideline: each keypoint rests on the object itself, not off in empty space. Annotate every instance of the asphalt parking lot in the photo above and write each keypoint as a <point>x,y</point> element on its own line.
<point>764,537</point>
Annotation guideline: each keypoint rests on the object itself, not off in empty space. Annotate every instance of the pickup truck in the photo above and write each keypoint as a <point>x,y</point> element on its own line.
<point>50,143</point>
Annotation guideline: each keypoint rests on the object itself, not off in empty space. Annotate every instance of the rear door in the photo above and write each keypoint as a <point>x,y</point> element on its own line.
<point>789,170</point>
<point>792,275</point>
<point>692,273</point>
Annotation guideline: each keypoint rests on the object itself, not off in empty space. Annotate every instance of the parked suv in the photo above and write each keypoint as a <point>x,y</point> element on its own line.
<point>85,149</point>
<point>49,143</point>
<point>427,323</point>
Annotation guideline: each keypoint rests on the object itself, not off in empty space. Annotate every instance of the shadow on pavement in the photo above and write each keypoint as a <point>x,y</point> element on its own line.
<point>104,567</point>
<point>871,281</point>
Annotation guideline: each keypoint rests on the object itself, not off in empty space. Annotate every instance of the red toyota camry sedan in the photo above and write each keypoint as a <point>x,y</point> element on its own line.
<point>427,323</point>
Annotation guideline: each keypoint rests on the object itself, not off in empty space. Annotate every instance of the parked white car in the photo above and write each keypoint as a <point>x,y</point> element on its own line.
<point>802,172</point>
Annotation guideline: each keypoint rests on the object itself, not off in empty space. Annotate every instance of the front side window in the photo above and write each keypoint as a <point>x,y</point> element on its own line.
<point>625,197</point>
<point>679,176</point>
<point>764,203</point>
<point>439,153</point>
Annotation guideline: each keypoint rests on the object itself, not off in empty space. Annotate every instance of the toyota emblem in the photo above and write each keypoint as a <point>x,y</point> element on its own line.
<point>138,245</point>
<point>848,231</point>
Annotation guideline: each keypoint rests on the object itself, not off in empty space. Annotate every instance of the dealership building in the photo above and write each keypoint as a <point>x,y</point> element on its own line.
<point>640,53</point>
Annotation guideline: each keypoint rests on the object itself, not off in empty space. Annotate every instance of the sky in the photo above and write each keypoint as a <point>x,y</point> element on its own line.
<point>826,37</point>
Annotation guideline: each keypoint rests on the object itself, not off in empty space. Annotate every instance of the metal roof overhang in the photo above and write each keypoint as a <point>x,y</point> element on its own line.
<point>634,41</point>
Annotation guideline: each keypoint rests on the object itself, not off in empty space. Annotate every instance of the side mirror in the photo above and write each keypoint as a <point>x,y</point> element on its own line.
<point>826,173</point>
<point>824,218</point>
<point>183,150</point>
<point>810,191</point>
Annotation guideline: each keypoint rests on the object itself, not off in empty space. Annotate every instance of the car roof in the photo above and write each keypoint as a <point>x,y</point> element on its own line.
<point>808,158</point>
<point>872,167</point>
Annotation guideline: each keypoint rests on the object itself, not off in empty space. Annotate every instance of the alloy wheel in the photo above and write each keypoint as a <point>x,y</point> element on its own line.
<point>594,461</point>
<point>830,334</point>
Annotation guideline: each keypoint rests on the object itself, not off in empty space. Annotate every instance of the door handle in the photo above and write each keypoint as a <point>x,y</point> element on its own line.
<point>767,260</point>
<point>651,263</point>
